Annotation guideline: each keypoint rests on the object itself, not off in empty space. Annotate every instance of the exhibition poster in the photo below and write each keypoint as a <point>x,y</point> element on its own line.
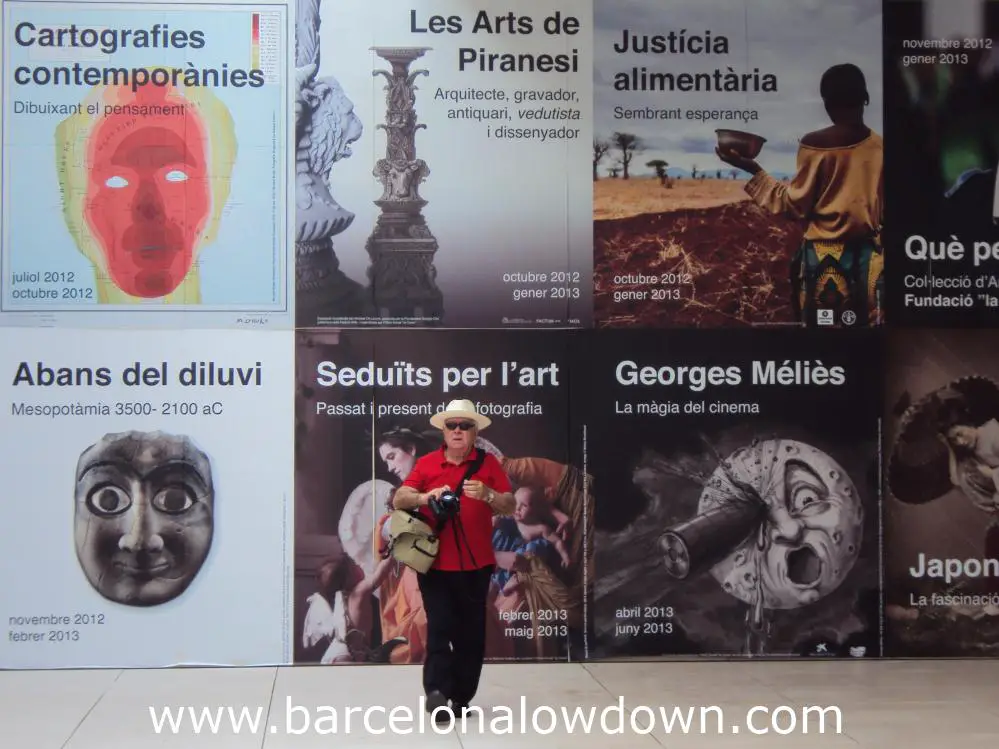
<point>443,164</point>
<point>941,451</point>
<point>743,468</point>
<point>146,164</point>
<point>737,165</point>
<point>363,409</point>
<point>156,513</point>
<point>941,178</point>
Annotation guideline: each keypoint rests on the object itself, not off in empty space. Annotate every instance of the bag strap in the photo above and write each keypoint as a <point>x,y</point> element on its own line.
<point>480,457</point>
<point>476,464</point>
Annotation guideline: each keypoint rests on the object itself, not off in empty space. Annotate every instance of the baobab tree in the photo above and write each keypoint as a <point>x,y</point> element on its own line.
<point>600,149</point>
<point>628,145</point>
<point>660,166</point>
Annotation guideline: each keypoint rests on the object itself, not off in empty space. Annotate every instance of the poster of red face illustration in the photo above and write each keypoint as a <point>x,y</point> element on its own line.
<point>148,163</point>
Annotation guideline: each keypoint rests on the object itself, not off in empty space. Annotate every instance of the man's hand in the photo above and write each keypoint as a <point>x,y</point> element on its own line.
<point>433,494</point>
<point>502,504</point>
<point>408,498</point>
<point>477,490</point>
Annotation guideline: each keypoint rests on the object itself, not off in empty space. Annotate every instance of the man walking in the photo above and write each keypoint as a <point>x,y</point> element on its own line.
<point>463,486</point>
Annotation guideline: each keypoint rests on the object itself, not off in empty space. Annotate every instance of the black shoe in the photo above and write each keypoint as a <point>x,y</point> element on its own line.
<point>435,701</point>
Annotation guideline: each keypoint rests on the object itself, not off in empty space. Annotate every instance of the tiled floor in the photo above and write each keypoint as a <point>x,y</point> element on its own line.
<point>904,704</point>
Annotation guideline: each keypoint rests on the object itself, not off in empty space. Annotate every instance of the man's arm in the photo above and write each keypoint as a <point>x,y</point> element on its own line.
<point>501,502</point>
<point>414,499</point>
<point>407,498</point>
<point>410,495</point>
<point>492,487</point>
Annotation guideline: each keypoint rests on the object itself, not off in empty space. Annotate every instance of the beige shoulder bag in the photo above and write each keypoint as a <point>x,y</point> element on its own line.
<point>412,540</point>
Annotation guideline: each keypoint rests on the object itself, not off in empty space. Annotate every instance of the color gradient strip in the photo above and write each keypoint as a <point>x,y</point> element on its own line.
<point>255,43</point>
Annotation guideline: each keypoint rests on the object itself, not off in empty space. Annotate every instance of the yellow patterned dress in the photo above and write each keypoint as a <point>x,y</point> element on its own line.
<point>837,274</point>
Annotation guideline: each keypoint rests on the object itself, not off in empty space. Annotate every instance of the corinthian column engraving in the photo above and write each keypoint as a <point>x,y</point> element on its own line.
<point>401,247</point>
<point>325,127</point>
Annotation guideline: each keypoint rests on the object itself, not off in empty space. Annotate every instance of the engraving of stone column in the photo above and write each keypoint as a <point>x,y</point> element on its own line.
<point>402,275</point>
<point>325,127</point>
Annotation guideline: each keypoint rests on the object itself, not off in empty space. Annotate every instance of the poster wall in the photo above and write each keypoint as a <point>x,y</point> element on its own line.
<point>146,164</point>
<point>363,409</point>
<point>941,537</point>
<point>744,471</point>
<point>444,152</point>
<point>782,230</point>
<point>154,476</point>
<point>941,116</point>
<point>647,239</point>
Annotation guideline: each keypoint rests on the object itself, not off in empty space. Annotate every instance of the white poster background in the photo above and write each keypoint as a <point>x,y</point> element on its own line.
<point>236,610</point>
<point>495,205</point>
<point>247,273</point>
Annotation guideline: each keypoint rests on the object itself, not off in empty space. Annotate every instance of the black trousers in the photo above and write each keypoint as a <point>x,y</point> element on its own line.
<point>455,603</point>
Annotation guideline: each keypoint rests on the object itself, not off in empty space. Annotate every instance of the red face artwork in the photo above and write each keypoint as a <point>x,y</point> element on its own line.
<point>148,196</point>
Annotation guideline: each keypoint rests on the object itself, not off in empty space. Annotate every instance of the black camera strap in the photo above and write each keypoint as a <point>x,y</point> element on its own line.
<point>480,457</point>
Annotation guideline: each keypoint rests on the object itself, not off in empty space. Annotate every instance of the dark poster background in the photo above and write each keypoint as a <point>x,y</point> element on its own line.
<point>332,461</point>
<point>941,122</point>
<point>936,379</point>
<point>650,471</point>
<point>542,618</point>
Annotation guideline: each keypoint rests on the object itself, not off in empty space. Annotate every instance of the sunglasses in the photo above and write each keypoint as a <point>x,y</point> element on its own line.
<point>453,426</point>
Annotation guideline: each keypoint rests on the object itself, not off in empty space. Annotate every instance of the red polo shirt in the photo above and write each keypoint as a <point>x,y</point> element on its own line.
<point>434,470</point>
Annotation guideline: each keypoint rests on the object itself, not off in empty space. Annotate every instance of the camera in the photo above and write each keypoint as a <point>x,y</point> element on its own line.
<point>446,505</point>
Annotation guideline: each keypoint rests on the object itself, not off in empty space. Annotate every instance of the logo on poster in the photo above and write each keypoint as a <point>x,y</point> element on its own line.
<point>825,317</point>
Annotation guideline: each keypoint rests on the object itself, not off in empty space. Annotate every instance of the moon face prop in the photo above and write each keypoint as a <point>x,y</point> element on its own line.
<point>811,529</point>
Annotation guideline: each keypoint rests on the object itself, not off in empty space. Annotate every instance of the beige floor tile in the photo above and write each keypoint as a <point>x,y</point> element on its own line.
<point>883,704</point>
<point>42,709</point>
<point>236,700</point>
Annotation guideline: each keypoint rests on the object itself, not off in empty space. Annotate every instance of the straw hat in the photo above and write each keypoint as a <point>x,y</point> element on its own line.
<point>460,409</point>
